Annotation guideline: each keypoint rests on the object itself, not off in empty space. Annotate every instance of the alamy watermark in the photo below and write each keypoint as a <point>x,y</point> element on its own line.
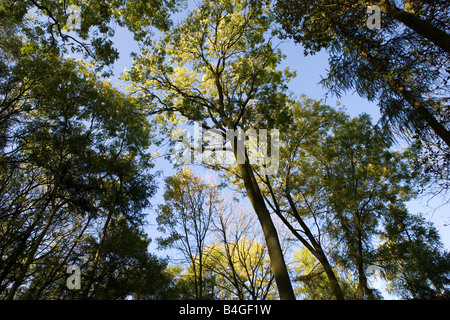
<point>74,19</point>
<point>373,275</point>
<point>374,20</point>
<point>226,151</point>
<point>73,282</point>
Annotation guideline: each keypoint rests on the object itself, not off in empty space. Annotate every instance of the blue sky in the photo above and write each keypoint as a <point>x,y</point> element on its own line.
<point>309,69</point>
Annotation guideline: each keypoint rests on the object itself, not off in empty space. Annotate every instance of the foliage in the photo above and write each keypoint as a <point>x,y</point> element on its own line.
<point>403,66</point>
<point>213,65</point>
<point>46,21</point>
<point>313,283</point>
<point>77,177</point>
<point>74,151</point>
<point>413,257</point>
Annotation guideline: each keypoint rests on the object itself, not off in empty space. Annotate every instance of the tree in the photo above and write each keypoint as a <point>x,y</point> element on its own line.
<point>337,181</point>
<point>73,151</point>
<point>388,63</point>
<point>126,268</point>
<point>211,68</point>
<point>363,180</point>
<point>186,216</point>
<point>298,206</point>
<point>312,279</point>
<point>238,259</point>
<point>403,66</point>
<point>413,259</point>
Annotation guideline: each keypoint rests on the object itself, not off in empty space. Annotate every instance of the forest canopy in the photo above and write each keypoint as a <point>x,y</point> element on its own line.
<point>274,194</point>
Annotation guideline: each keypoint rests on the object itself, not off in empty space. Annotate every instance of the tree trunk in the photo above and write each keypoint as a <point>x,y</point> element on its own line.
<point>97,254</point>
<point>422,27</point>
<point>437,127</point>
<point>277,262</point>
<point>362,283</point>
<point>330,275</point>
<point>315,248</point>
<point>362,279</point>
<point>200,275</point>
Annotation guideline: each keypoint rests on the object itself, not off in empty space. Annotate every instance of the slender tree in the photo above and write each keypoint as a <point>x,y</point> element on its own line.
<point>211,68</point>
<point>187,217</point>
<point>361,181</point>
<point>413,258</point>
<point>295,204</point>
<point>238,258</point>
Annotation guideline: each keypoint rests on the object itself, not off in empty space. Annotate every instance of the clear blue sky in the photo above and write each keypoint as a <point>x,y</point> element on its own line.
<point>309,71</point>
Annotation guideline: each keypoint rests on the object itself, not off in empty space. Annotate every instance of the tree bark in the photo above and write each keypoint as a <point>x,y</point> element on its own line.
<point>362,279</point>
<point>277,262</point>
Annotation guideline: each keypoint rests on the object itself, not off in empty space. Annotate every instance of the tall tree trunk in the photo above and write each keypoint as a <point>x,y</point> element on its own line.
<point>427,30</point>
<point>363,287</point>
<point>334,284</point>
<point>97,254</point>
<point>277,262</point>
<point>423,111</point>
<point>359,261</point>
<point>200,275</point>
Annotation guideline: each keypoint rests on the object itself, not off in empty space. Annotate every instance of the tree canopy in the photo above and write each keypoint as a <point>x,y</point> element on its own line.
<point>300,200</point>
<point>403,66</point>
